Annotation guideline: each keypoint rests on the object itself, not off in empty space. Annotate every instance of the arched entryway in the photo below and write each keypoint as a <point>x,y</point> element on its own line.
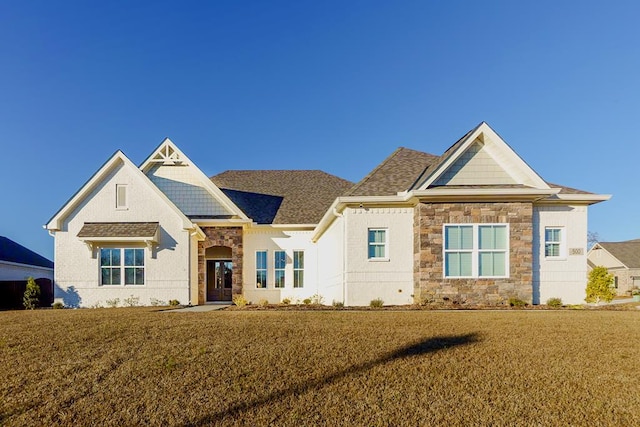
<point>219,273</point>
<point>220,244</point>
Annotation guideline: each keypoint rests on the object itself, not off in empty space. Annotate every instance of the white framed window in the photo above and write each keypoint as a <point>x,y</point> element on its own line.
<point>476,250</point>
<point>122,266</point>
<point>378,247</point>
<point>261,269</point>
<point>298,269</point>
<point>279,264</point>
<point>121,196</point>
<point>554,246</point>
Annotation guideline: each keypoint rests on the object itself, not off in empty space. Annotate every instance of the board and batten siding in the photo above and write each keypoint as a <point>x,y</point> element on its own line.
<point>77,272</point>
<point>390,280</point>
<point>564,277</point>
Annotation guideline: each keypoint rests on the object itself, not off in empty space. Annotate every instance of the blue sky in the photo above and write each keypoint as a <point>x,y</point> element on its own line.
<point>331,85</point>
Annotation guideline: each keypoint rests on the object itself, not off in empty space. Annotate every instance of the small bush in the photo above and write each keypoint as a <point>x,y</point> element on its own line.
<point>174,303</point>
<point>600,285</point>
<point>239,300</point>
<point>317,299</point>
<point>263,303</point>
<point>337,304</point>
<point>286,301</point>
<point>113,303</point>
<point>516,302</point>
<point>554,302</point>
<point>156,302</point>
<point>376,303</point>
<point>57,305</point>
<point>31,297</point>
<point>306,301</point>
<point>131,301</point>
<point>96,305</point>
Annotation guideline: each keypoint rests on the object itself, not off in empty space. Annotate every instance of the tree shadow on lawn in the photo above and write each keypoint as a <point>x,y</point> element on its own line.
<point>426,346</point>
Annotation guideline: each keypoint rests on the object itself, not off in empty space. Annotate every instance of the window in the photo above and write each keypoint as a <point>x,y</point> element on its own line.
<point>476,250</point>
<point>553,244</point>
<point>121,196</point>
<point>378,243</point>
<point>280,262</point>
<point>298,269</point>
<point>117,264</point>
<point>261,269</point>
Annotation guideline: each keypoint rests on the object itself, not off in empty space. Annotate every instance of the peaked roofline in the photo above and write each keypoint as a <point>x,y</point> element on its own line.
<point>211,188</point>
<point>55,222</point>
<point>601,247</point>
<point>453,153</point>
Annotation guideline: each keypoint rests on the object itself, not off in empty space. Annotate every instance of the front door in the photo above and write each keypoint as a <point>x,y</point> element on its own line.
<point>219,274</point>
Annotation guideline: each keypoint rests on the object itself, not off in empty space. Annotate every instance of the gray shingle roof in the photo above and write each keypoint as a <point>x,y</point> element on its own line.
<point>627,252</point>
<point>396,173</point>
<point>118,229</point>
<point>11,251</point>
<point>282,196</point>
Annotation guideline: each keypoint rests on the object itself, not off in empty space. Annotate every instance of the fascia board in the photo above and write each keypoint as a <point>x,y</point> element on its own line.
<point>19,264</point>
<point>206,181</point>
<point>587,199</point>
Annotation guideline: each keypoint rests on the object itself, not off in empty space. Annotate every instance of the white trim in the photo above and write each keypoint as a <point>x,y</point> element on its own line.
<point>384,244</point>
<point>283,270</point>
<point>18,264</point>
<point>205,180</point>
<point>256,269</point>
<point>122,266</point>
<point>475,250</point>
<point>562,244</point>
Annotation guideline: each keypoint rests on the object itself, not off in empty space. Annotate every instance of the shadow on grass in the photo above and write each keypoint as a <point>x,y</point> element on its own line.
<point>426,346</point>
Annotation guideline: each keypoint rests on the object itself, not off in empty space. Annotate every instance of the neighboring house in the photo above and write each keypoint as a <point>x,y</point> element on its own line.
<point>20,263</point>
<point>622,259</point>
<point>17,264</point>
<point>474,226</point>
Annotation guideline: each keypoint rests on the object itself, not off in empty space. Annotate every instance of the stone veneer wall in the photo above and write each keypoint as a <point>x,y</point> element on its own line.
<point>431,287</point>
<point>221,236</point>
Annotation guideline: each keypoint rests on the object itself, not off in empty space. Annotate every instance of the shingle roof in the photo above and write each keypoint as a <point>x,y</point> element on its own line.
<point>118,229</point>
<point>11,251</point>
<point>282,196</point>
<point>627,252</point>
<point>396,173</point>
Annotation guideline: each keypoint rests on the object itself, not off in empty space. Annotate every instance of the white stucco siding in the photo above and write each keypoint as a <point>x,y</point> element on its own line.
<point>183,187</point>
<point>77,273</point>
<point>14,271</point>
<point>391,279</point>
<point>565,276</point>
<point>273,239</point>
<point>331,273</point>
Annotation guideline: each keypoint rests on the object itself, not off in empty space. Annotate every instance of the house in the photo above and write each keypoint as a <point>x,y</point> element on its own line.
<point>475,225</point>
<point>17,264</point>
<point>622,259</point>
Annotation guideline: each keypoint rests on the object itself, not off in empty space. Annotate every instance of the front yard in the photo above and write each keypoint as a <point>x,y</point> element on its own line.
<point>141,366</point>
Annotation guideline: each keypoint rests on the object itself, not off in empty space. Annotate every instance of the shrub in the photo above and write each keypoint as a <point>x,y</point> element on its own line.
<point>516,302</point>
<point>286,301</point>
<point>239,300</point>
<point>131,301</point>
<point>263,303</point>
<point>554,302</point>
<point>113,303</point>
<point>600,285</point>
<point>57,305</point>
<point>376,303</point>
<point>306,301</point>
<point>317,299</point>
<point>156,302</point>
<point>31,299</point>
<point>174,302</point>
<point>337,304</point>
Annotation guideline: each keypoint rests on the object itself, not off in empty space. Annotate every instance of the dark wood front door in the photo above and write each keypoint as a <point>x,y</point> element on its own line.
<point>219,275</point>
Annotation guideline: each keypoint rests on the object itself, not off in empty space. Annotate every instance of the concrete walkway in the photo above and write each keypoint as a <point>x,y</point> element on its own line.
<point>198,308</point>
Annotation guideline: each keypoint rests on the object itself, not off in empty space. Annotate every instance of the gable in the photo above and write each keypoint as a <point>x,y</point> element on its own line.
<point>480,158</point>
<point>476,166</point>
<point>186,185</point>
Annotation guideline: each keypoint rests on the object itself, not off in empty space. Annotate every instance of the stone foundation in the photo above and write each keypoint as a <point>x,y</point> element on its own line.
<point>221,236</point>
<point>430,286</point>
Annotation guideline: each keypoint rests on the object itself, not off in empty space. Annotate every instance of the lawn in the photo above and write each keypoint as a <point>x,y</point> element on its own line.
<point>140,366</point>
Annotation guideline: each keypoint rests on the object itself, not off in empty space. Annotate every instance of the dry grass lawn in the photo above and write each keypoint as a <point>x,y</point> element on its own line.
<point>139,366</point>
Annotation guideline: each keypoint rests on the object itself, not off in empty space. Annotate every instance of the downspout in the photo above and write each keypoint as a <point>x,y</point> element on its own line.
<point>344,253</point>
